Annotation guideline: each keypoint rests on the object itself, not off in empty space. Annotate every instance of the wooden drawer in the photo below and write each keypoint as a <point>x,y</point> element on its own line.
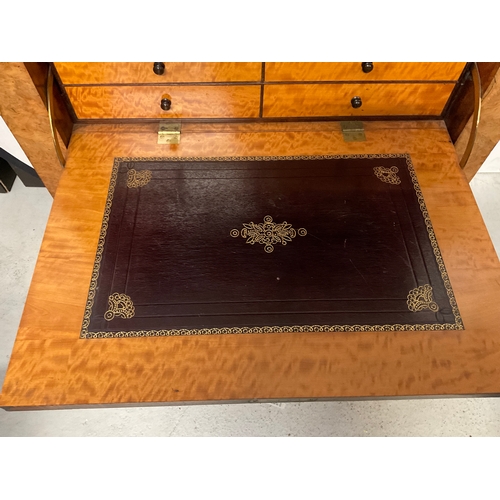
<point>351,71</point>
<point>335,99</point>
<point>199,101</point>
<point>108,73</point>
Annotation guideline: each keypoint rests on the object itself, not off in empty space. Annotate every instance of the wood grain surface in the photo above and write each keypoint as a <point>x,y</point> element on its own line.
<point>351,71</point>
<point>187,102</point>
<point>335,99</point>
<point>62,117</point>
<point>488,132</point>
<point>108,73</point>
<point>460,107</point>
<point>51,367</point>
<point>26,116</point>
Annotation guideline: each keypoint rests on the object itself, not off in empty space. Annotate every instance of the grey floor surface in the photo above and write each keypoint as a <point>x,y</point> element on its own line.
<point>23,216</point>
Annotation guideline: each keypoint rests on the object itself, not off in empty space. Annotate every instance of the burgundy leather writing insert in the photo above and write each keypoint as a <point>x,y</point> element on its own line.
<point>255,245</point>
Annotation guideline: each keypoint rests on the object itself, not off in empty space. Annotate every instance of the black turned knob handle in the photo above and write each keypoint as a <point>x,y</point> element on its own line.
<point>159,68</point>
<point>165,104</point>
<point>367,67</point>
<point>356,102</point>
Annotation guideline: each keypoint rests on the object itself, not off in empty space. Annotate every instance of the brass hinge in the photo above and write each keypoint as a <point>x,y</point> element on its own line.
<point>353,131</point>
<point>169,133</point>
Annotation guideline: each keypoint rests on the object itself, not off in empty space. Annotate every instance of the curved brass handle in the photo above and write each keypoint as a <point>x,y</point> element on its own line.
<point>50,85</point>
<point>476,79</point>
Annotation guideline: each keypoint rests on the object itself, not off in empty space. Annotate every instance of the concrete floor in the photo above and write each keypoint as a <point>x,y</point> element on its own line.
<point>23,216</point>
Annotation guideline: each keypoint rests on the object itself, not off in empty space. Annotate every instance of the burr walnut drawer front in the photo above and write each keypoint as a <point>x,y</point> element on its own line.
<point>154,73</point>
<point>163,102</point>
<point>356,71</point>
<point>303,100</point>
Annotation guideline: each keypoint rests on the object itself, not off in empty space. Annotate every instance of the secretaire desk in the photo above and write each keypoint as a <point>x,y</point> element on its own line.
<point>252,109</point>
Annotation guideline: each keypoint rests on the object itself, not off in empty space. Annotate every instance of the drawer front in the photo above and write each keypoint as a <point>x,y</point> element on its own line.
<point>230,101</point>
<point>301,100</point>
<point>109,73</point>
<point>352,71</point>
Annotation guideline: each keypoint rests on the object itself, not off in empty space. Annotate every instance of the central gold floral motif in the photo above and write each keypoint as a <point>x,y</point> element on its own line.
<point>268,233</point>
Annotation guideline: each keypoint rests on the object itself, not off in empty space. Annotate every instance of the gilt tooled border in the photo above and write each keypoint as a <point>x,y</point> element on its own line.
<point>85,334</point>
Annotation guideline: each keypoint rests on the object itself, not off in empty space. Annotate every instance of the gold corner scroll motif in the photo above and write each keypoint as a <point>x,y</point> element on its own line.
<point>420,298</point>
<point>388,175</point>
<point>268,233</point>
<point>138,179</point>
<point>120,305</point>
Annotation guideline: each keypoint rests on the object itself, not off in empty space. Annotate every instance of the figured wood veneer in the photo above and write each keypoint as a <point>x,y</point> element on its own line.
<point>351,71</point>
<point>460,107</point>
<point>26,116</point>
<point>144,102</point>
<point>488,132</point>
<point>302,100</point>
<point>51,366</point>
<point>130,73</point>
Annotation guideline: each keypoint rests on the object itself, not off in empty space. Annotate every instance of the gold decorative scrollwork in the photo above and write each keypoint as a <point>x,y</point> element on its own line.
<point>420,298</point>
<point>268,233</point>
<point>120,305</point>
<point>137,179</point>
<point>388,175</point>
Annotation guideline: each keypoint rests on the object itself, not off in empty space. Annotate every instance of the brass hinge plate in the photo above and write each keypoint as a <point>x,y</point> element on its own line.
<point>353,131</point>
<point>169,133</point>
